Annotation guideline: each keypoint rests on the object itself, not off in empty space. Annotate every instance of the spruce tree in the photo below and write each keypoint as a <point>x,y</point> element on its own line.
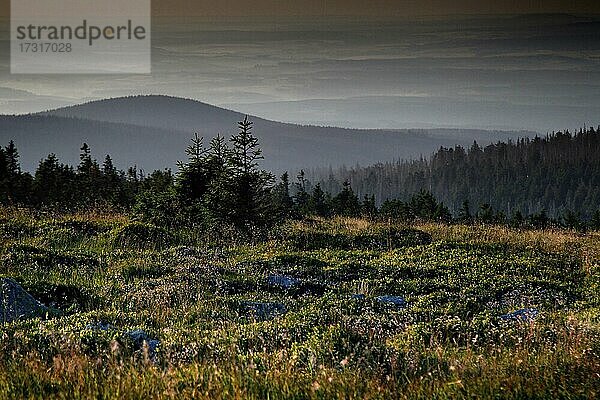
<point>516,219</point>
<point>486,214</point>
<point>4,193</point>
<point>368,206</point>
<point>595,221</point>
<point>319,202</point>
<point>108,168</point>
<point>157,202</point>
<point>572,220</point>
<point>464,213</point>
<point>13,172</point>
<point>540,219</point>
<point>251,185</point>
<point>111,183</point>
<point>301,198</point>
<point>192,180</point>
<point>424,206</point>
<point>283,202</point>
<point>442,213</point>
<point>219,199</point>
<point>85,160</point>
<point>346,202</point>
<point>54,184</point>
<point>89,177</point>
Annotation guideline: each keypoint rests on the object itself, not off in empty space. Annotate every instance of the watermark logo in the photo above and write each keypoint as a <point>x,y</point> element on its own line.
<point>80,36</point>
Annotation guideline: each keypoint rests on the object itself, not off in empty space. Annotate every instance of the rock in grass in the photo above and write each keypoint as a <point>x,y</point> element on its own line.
<point>184,251</point>
<point>531,296</point>
<point>392,300</point>
<point>16,303</point>
<point>99,326</point>
<point>265,311</point>
<point>139,338</point>
<point>282,281</point>
<point>522,315</point>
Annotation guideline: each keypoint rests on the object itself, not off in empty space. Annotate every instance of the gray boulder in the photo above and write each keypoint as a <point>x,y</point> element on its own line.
<point>282,281</point>
<point>16,303</point>
<point>264,311</point>
<point>99,326</point>
<point>396,301</point>
<point>522,315</point>
<point>141,339</point>
<point>137,338</point>
<point>530,296</point>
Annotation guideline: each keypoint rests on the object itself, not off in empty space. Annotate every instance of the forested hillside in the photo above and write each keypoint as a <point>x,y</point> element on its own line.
<point>531,182</point>
<point>152,132</point>
<point>555,173</point>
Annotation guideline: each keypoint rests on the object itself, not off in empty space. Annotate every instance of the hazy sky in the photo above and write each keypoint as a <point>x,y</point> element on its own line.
<point>361,7</point>
<point>370,7</point>
<point>537,72</point>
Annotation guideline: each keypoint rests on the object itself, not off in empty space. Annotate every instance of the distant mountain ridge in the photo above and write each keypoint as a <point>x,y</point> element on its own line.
<point>153,131</point>
<point>176,113</point>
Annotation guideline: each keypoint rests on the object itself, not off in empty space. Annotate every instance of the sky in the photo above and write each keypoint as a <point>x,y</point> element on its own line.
<point>370,7</point>
<point>534,72</point>
<point>400,8</point>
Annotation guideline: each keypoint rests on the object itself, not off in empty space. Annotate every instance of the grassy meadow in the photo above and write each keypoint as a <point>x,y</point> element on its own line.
<point>228,329</point>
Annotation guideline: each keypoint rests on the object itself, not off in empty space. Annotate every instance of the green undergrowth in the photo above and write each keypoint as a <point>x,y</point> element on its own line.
<point>335,338</point>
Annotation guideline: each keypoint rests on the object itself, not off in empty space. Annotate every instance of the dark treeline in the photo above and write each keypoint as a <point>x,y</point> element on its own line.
<point>222,185</point>
<point>218,185</point>
<point>556,174</point>
<point>59,186</point>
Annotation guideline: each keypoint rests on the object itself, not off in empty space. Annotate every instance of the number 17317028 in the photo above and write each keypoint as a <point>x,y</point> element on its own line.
<point>45,47</point>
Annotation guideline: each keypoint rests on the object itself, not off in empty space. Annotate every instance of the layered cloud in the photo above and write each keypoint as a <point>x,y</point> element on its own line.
<point>538,73</point>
